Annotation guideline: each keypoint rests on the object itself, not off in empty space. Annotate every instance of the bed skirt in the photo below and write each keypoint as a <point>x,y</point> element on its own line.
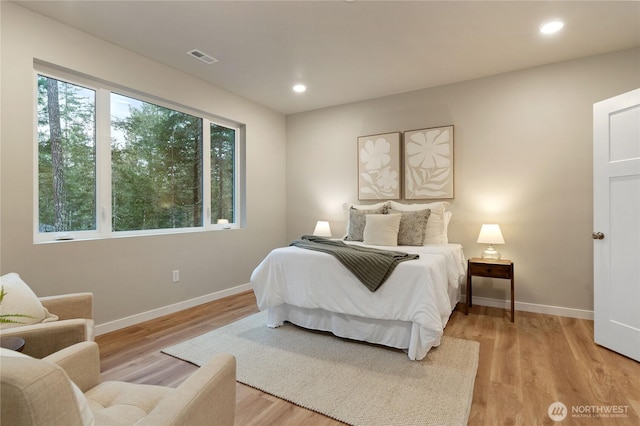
<point>410,337</point>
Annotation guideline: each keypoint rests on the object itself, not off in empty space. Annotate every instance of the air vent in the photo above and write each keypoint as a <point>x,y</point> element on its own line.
<point>198,54</point>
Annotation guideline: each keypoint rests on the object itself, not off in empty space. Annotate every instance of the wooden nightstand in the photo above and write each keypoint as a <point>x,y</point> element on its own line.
<point>492,269</point>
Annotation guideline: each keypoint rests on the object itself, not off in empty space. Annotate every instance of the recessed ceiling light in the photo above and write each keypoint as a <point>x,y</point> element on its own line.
<point>299,88</point>
<point>551,27</point>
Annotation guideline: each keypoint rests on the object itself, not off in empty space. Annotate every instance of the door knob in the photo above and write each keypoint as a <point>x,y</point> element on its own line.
<point>597,236</point>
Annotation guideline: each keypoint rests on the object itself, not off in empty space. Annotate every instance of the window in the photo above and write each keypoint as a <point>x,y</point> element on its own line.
<point>156,166</point>
<point>113,163</point>
<point>223,160</point>
<point>66,156</point>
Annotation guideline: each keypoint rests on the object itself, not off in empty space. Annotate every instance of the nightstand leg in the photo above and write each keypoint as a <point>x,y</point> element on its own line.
<point>468,301</point>
<point>513,303</point>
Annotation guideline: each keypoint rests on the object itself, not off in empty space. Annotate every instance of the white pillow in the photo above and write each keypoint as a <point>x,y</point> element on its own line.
<point>347,206</point>
<point>20,299</point>
<point>435,231</point>
<point>83,404</point>
<point>382,229</point>
<point>447,219</point>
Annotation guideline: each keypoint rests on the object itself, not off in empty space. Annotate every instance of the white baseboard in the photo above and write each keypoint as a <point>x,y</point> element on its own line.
<point>483,301</point>
<point>532,307</point>
<point>110,326</point>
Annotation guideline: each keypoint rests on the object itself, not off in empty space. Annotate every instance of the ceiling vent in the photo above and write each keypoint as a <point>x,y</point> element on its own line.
<point>207,59</point>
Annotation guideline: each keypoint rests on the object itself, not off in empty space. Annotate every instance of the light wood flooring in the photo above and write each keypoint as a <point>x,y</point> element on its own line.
<point>524,366</point>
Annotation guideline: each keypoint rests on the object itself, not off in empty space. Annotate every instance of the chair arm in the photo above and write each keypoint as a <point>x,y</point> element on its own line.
<point>35,392</point>
<point>208,397</point>
<point>70,306</point>
<point>81,362</point>
<point>46,338</point>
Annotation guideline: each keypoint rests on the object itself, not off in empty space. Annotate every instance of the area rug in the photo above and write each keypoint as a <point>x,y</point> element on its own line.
<point>353,382</point>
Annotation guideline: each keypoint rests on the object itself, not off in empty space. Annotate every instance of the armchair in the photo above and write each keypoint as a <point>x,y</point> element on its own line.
<point>74,325</point>
<point>41,391</point>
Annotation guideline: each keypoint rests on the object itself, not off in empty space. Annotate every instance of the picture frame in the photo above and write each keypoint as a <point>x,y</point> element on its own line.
<point>379,167</point>
<point>428,163</point>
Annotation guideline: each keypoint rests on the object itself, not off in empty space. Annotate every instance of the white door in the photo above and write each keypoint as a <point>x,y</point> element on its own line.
<point>616,217</point>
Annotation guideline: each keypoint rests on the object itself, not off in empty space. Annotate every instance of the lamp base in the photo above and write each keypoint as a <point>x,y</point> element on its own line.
<point>491,254</point>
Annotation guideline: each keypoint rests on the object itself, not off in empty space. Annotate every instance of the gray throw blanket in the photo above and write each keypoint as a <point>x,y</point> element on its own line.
<point>371,266</point>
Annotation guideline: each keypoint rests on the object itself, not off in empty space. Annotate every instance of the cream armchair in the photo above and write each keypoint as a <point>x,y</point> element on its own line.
<point>74,325</point>
<point>41,392</point>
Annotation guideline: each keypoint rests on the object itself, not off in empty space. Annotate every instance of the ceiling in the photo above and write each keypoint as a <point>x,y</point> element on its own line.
<point>346,51</point>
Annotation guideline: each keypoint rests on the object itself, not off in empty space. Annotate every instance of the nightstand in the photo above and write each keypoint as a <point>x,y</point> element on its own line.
<point>491,269</point>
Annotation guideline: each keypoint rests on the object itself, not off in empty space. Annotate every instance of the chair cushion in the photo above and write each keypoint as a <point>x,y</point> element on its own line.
<point>124,403</point>
<point>20,299</point>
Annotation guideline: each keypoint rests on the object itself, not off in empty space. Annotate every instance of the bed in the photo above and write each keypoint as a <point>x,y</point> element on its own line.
<point>408,311</point>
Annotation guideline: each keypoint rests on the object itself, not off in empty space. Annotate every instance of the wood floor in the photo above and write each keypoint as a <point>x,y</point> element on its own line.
<point>524,367</point>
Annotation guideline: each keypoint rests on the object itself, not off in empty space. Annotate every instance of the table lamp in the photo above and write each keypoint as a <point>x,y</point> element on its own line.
<point>490,234</point>
<point>322,229</point>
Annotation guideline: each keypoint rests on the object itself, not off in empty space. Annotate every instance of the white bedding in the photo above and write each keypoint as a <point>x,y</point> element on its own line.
<point>419,296</point>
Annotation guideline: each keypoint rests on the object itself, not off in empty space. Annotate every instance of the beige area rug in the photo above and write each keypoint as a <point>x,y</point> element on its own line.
<point>355,383</point>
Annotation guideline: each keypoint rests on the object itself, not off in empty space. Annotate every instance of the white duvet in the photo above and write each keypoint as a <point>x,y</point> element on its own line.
<point>422,292</point>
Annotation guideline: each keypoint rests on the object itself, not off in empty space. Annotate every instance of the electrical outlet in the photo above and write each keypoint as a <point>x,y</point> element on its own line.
<point>176,275</point>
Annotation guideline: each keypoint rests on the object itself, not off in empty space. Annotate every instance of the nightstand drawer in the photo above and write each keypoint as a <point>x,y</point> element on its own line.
<point>490,270</point>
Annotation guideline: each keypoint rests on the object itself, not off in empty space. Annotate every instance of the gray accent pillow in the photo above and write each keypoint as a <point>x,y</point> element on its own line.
<point>357,221</point>
<point>412,226</point>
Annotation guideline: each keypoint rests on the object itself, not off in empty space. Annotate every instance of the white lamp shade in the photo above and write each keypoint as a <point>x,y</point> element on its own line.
<point>223,221</point>
<point>322,229</point>
<point>490,234</point>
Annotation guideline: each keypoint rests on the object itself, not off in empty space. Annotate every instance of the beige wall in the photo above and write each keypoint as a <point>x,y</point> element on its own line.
<point>128,275</point>
<point>523,159</point>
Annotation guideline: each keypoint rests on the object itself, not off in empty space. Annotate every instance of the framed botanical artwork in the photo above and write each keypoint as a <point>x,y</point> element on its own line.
<point>379,167</point>
<point>428,163</point>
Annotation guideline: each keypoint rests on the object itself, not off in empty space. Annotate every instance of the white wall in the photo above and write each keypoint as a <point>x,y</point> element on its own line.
<point>128,275</point>
<point>523,159</point>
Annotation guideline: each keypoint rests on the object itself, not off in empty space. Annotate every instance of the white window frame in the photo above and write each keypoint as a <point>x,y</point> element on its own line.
<point>103,188</point>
